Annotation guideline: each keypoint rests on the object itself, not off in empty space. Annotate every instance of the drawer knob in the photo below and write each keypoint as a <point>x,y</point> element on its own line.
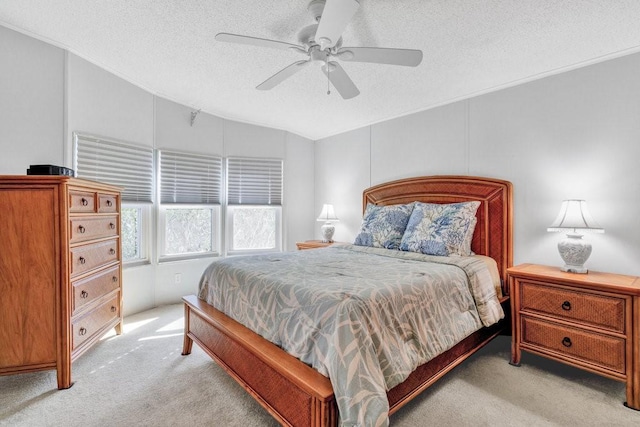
<point>81,229</point>
<point>112,225</point>
<point>84,294</point>
<point>114,279</point>
<point>113,309</point>
<point>82,260</point>
<point>82,331</point>
<point>112,251</point>
<point>566,341</point>
<point>566,305</point>
<point>84,202</point>
<point>109,203</point>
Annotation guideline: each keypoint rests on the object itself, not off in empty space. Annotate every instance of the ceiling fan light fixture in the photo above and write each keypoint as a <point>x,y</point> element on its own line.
<point>324,42</point>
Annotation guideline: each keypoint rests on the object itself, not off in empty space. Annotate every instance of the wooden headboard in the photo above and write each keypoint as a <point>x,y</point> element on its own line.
<point>493,235</point>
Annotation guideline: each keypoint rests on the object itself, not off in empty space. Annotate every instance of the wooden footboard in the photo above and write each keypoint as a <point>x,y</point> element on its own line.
<point>294,393</point>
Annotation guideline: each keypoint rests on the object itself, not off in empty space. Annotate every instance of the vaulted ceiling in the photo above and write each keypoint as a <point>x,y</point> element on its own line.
<point>168,47</point>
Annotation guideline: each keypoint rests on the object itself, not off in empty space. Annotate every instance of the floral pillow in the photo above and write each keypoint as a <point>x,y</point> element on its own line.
<point>441,229</point>
<point>383,226</point>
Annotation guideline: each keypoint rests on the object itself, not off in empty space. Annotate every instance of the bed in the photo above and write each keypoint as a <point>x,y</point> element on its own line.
<point>298,395</point>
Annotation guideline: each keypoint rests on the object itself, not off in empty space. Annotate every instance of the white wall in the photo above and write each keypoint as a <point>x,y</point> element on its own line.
<point>342,171</point>
<point>298,199</point>
<point>31,121</point>
<point>573,135</point>
<point>46,94</point>
<point>99,103</point>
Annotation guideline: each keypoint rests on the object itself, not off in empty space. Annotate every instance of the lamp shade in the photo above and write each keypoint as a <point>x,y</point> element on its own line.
<point>328,214</point>
<point>575,215</point>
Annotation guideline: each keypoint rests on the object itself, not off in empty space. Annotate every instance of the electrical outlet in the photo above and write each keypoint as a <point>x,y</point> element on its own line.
<point>178,278</point>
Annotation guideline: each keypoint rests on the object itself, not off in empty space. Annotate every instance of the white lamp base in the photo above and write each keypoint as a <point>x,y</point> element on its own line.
<point>327,232</point>
<point>575,252</point>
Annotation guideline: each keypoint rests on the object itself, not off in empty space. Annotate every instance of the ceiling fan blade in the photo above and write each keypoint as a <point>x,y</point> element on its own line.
<point>255,41</point>
<point>335,17</point>
<point>282,75</point>
<point>379,55</point>
<point>340,80</point>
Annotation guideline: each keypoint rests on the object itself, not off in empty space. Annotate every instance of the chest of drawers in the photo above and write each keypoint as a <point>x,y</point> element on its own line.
<point>591,321</point>
<point>60,272</point>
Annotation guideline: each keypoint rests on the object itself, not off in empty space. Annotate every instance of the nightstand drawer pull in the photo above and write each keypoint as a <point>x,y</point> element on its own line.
<point>82,331</point>
<point>566,341</point>
<point>81,229</point>
<point>112,251</point>
<point>84,294</point>
<point>566,305</point>
<point>82,260</point>
<point>84,202</point>
<point>112,226</point>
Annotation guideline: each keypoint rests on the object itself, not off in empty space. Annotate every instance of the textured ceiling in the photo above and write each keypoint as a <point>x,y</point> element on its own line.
<point>470,47</point>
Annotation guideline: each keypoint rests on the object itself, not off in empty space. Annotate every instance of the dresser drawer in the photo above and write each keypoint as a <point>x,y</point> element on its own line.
<point>87,326</point>
<point>88,228</point>
<point>589,308</point>
<point>107,203</point>
<point>593,348</point>
<point>87,257</point>
<point>82,201</point>
<point>93,287</point>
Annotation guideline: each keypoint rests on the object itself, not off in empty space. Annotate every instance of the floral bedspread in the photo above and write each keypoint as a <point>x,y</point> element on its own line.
<point>364,317</point>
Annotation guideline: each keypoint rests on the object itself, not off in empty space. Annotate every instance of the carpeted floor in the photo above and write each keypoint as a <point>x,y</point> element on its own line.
<point>141,379</point>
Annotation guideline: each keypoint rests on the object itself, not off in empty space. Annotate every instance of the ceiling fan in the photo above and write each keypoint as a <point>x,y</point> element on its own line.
<point>322,42</point>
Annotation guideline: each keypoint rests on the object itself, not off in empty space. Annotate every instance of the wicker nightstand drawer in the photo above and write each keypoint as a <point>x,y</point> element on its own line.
<point>593,309</point>
<point>583,320</point>
<point>605,351</point>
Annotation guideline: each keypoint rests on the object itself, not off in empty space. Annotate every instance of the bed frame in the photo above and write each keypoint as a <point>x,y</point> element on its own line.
<point>296,394</point>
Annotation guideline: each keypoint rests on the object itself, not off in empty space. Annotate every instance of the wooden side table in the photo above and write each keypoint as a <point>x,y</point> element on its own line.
<point>590,321</point>
<point>313,244</point>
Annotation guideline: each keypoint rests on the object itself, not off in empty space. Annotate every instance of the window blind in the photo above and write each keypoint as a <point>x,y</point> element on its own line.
<point>190,178</point>
<point>254,181</point>
<point>123,164</point>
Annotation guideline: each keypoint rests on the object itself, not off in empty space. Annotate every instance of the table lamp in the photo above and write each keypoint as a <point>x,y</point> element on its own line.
<point>574,218</point>
<point>328,215</point>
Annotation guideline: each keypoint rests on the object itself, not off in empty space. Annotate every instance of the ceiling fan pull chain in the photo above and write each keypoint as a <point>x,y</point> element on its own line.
<point>326,64</point>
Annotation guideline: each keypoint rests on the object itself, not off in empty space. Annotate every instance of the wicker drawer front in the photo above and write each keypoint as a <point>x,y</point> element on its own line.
<point>88,228</point>
<point>107,203</point>
<point>93,287</point>
<point>91,324</point>
<point>607,352</point>
<point>87,257</point>
<point>598,310</point>
<point>80,201</point>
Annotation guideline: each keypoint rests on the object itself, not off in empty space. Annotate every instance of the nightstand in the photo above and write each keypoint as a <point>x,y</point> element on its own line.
<point>313,244</point>
<point>590,321</point>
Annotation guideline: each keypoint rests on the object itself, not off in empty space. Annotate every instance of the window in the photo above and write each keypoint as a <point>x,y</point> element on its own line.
<point>190,197</point>
<point>194,203</point>
<point>131,167</point>
<point>134,219</point>
<point>254,205</point>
